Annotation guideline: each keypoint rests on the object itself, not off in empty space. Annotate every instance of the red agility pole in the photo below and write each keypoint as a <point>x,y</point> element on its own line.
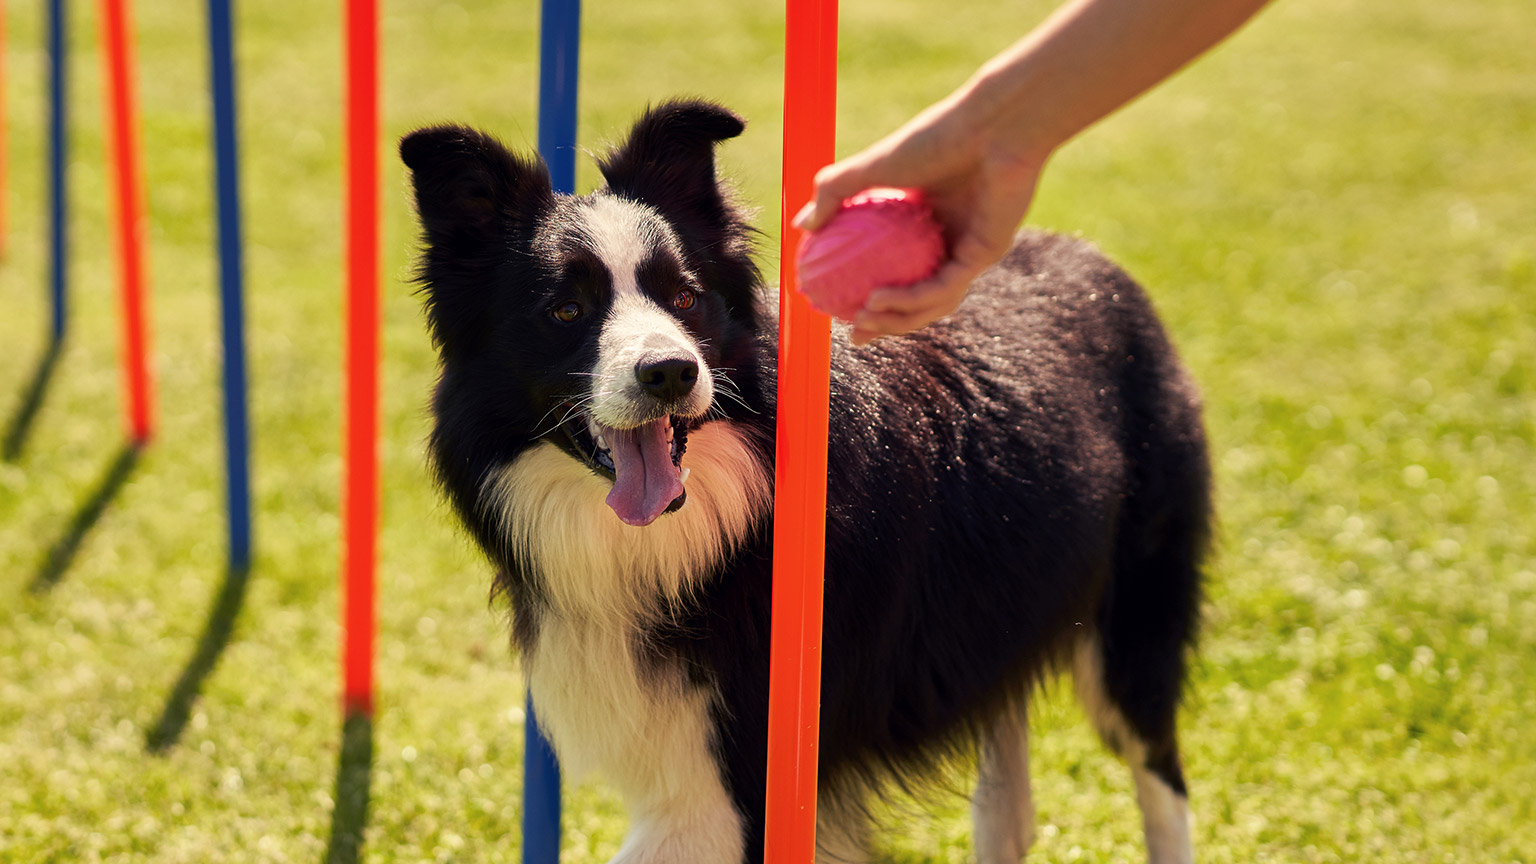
<point>800,490</point>
<point>127,168</point>
<point>360,504</point>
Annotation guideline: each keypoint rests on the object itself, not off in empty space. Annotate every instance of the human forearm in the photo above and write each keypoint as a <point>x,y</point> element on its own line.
<point>978,153</point>
<point>1085,61</point>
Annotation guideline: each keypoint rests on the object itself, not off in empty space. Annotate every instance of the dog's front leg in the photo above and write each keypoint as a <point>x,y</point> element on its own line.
<point>647,731</point>
<point>683,834</point>
<point>680,810</point>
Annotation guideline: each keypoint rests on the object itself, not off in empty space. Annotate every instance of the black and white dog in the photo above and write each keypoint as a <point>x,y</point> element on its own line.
<point>1020,489</point>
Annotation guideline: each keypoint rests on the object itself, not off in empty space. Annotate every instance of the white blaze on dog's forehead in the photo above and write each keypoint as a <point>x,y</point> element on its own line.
<point>622,234</point>
<point>635,329</point>
<point>636,325</point>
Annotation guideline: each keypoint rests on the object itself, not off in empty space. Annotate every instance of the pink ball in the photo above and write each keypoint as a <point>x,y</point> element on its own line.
<point>880,238</point>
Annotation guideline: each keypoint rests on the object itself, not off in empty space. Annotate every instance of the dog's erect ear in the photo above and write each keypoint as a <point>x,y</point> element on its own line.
<point>469,187</point>
<point>669,160</point>
<point>475,199</point>
<point>668,163</point>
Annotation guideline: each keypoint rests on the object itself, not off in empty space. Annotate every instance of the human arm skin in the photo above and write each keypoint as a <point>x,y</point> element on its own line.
<point>978,153</point>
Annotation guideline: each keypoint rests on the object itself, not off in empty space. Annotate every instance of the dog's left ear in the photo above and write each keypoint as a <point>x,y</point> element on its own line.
<point>669,160</point>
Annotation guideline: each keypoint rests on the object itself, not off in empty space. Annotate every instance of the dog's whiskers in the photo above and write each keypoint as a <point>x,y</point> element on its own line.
<point>572,405</point>
<point>730,390</point>
<point>553,409</point>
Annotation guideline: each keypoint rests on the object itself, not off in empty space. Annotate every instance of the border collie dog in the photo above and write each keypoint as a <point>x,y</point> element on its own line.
<point>1018,490</point>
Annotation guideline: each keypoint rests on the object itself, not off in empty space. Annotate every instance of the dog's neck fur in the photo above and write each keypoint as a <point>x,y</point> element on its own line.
<point>589,565</point>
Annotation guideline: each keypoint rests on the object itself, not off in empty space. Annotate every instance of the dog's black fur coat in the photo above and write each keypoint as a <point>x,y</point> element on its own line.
<point>1002,484</point>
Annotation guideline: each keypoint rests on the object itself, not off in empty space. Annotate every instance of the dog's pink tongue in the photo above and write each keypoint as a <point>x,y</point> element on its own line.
<point>645,480</point>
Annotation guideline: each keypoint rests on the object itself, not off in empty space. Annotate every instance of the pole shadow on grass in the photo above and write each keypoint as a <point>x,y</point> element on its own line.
<point>216,635</point>
<point>63,552</point>
<point>353,770</point>
<point>31,400</point>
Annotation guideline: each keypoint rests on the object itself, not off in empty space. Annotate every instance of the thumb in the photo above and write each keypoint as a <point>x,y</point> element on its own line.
<point>833,184</point>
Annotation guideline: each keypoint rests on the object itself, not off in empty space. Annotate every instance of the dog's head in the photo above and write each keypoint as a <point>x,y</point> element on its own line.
<point>607,323</point>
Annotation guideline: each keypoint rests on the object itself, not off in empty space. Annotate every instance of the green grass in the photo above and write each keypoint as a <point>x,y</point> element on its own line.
<point>1333,212</point>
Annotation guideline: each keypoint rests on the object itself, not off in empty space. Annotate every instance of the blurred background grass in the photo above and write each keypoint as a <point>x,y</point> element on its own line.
<point>1333,212</point>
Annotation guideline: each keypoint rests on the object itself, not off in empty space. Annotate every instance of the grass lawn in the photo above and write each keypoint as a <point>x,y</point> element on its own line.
<point>1333,212</point>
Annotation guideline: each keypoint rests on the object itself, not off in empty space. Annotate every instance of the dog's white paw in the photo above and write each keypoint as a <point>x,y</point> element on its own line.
<point>706,838</point>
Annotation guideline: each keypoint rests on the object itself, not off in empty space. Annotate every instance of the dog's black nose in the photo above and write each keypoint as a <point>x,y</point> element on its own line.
<point>667,378</point>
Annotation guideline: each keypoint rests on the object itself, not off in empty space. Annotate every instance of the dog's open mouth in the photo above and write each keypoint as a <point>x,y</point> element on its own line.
<point>645,463</point>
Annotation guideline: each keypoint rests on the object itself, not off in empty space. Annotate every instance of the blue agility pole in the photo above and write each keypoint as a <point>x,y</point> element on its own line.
<point>541,795</point>
<point>231,277</point>
<point>57,190</point>
<point>559,43</point>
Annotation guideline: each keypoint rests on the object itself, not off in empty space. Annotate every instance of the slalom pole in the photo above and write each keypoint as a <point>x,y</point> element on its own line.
<point>231,282</point>
<point>124,162</point>
<point>559,46</point>
<point>360,493</point>
<point>800,484</point>
<point>58,199</point>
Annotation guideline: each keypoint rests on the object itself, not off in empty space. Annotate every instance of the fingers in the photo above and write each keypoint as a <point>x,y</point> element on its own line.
<point>833,184</point>
<point>893,311</point>
<point>861,337</point>
<point>950,283</point>
<point>869,326</point>
<point>944,290</point>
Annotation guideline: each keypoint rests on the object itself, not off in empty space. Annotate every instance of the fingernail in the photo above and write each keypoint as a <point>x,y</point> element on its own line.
<point>803,216</point>
<point>878,300</point>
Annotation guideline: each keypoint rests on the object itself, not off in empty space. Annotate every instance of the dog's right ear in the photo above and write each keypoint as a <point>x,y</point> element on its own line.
<point>470,188</point>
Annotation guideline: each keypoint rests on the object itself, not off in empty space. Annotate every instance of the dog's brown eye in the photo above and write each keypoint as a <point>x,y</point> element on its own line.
<point>567,312</point>
<point>685,299</point>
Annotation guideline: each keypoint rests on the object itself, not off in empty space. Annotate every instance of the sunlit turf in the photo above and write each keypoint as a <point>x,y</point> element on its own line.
<point>1333,213</point>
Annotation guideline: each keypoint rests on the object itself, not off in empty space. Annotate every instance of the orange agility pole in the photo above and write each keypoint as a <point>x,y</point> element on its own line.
<point>124,163</point>
<point>800,485</point>
<point>360,503</point>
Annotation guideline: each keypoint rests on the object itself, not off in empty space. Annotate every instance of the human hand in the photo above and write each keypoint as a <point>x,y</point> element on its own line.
<point>977,155</point>
<point>978,184</point>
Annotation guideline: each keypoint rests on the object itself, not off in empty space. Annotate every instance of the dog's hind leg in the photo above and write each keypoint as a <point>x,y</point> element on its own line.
<point>1130,669</point>
<point>1002,812</point>
<point>1148,746</point>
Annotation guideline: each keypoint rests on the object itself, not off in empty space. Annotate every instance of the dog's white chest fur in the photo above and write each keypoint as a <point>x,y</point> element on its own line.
<point>649,732</point>
<point>603,717</point>
<point>650,737</point>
